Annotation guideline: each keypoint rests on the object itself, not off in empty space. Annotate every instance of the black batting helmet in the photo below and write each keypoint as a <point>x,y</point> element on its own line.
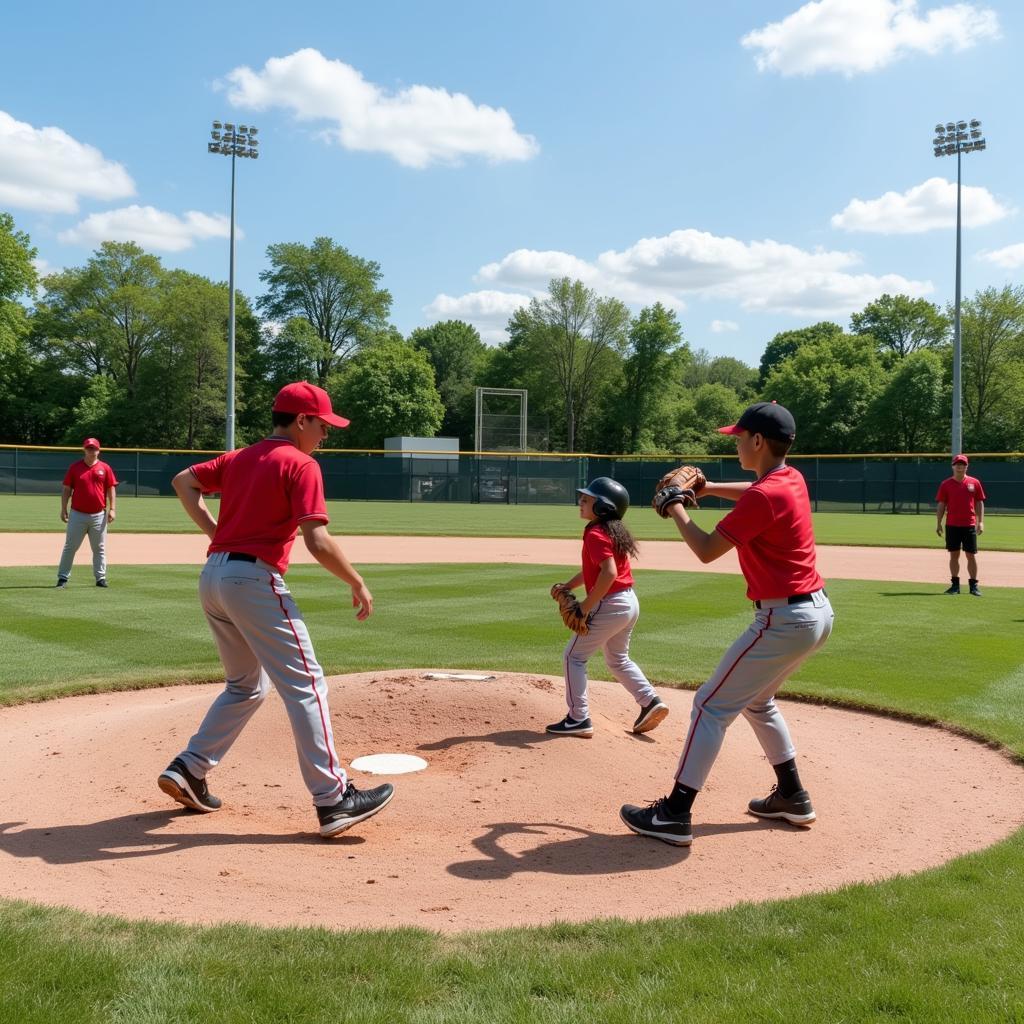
<point>611,499</point>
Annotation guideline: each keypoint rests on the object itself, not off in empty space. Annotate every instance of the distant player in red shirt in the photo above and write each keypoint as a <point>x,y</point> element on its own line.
<point>612,608</point>
<point>270,491</point>
<point>90,485</point>
<point>961,499</point>
<point>770,527</point>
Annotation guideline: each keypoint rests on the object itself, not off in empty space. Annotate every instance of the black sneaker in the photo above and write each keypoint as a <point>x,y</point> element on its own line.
<point>954,589</point>
<point>658,822</point>
<point>102,583</point>
<point>975,592</point>
<point>62,583</point>
<point>570,727</point>
<point>181,785</point>
<point>651,716</point>
<point>795,809</point>
<point>354,805</point>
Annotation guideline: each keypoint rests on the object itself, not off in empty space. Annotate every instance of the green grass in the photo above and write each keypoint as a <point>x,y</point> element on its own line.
<point>28,513</point>
<point>942,946</point>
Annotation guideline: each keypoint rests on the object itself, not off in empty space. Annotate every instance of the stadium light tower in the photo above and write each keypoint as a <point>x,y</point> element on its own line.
<point>232,140</point>
<point>957,137</point>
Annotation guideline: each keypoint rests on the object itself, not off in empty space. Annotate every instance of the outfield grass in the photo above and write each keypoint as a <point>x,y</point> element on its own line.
<point>942,946</point>
<point>28,513</point>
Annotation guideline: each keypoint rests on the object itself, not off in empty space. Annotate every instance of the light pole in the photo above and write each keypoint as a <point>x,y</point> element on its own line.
<point>233,141</point>
<point>957,137</point>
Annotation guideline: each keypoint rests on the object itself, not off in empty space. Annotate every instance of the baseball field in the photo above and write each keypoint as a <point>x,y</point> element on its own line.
<point>942,944</point>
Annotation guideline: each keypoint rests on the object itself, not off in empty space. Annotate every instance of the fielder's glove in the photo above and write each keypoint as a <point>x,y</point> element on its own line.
<point>682,484</point>
<point>572,615</point>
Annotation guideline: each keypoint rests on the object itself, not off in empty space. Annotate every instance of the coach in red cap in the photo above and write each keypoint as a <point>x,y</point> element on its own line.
<point>89,485</point>
<point>961,499</point>
<point>270,491</point>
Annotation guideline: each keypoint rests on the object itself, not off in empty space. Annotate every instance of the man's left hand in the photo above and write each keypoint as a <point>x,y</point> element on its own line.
<point>111,516</point>
<point>981,527</point>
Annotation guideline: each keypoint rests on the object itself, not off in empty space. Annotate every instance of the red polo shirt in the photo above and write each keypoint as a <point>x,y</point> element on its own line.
<point>771,528</point>
<point>960,496</point>
<point>89,485</point>
<point>597,546</point>
<point>266,490</point>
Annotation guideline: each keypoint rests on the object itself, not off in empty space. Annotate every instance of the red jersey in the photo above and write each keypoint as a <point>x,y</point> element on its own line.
<point>959,497</point>
<point>266,490</point>
<point>597,546</point>
<point>771,528</point>
<point>89,485</point>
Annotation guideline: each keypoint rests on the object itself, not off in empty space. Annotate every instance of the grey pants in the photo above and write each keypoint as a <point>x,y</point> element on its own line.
<point>262,641</point>
<point>610,630</point>
<point>80,524</point>
<point>780,638</point>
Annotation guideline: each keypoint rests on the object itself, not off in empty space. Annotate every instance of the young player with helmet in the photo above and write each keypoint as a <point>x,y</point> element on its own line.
<point>770,527</point>
<point>604,620</point>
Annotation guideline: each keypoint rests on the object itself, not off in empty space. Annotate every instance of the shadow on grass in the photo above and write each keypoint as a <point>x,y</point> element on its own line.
<point>30,586</point>
<point>132,836</point>
<point>585,852</point>
<point>908,593</point>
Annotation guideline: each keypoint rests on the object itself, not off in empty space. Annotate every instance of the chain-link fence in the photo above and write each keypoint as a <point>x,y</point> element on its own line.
<point>870,483</point>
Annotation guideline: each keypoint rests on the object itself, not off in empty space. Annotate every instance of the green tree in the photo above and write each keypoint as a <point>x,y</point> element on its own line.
<point>907,414</point>
<point>458,357</point>
<point>901,325</point>
<point>336,291</point>
<point>787,343</point>
<point>291,351</point>
<point>733,373</point>
<point>387,390</point>
<point>829,385</point>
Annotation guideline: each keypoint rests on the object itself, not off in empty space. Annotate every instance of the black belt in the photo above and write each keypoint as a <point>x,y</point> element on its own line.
<point>240,556</point>
<point>797,598</point>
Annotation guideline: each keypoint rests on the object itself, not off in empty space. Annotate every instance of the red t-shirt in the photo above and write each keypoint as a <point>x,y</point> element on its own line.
<point>266,490</point>
<point>597,546</point>
<point>771,528</point>
<point>89,485</point>
<point>960,496</point>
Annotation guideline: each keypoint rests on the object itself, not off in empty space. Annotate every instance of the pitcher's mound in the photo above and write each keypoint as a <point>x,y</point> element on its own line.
<point>505,826</point>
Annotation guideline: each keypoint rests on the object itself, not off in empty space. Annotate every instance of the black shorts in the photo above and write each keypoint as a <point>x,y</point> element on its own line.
<point>965,537</point>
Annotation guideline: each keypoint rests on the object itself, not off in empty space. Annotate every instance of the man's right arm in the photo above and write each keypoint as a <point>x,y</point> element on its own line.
<point>190,494</point>
<point>65,497</point>
<point>940,511</point>
<point>327,551</point>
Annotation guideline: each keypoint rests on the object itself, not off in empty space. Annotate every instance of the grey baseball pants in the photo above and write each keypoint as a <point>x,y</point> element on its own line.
<point>80,524</point>
<point>262,640</point>
<point>780,638</point>
<point>610,630</point>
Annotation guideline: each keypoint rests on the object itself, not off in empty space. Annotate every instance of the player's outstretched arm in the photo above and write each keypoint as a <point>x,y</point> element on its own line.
<point>327,551</point>
<point>190,494</point>
<point>729,491</point>
<point>706,546</point>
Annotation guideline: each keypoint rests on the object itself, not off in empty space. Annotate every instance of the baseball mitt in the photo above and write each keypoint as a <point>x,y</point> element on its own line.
<point>679,485</point>
<point>572,616</point>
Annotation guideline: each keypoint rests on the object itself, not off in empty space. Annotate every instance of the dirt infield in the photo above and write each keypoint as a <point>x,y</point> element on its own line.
<point>506,826</point>
<point>913,565</point>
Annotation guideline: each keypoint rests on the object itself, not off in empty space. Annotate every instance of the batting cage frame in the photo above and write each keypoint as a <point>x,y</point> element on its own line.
<point>481,442</point>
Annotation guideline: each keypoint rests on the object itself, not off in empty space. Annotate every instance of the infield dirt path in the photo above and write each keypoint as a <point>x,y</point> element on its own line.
<point>914,565</point>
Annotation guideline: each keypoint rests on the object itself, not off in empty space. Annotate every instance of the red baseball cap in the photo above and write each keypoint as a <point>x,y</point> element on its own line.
<point>309,399</point>
<point>91,442</point>
<point>961,458</point>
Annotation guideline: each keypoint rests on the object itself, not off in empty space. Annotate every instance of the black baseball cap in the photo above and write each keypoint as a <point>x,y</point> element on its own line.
<point>769,419</point>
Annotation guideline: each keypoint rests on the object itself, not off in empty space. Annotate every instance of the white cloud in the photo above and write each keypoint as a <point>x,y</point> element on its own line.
<point>487,311</point>
<point>856,36</point>
<point>149,227</point>
<point>927,206</point>
<point>416,126</point>
<point>1011,257</point>
<point>723,326</point>
<point>46,169</point>
<point>44,267</point>
<point>766,275</point>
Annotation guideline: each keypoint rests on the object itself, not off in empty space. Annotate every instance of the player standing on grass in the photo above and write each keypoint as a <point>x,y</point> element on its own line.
<point>269,491</point>
<point>961,499</point>
<point>770,527</point>
<point>90,485</point>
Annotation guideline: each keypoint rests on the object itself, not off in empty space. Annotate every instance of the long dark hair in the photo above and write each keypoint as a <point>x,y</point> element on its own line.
<point>623,542</point>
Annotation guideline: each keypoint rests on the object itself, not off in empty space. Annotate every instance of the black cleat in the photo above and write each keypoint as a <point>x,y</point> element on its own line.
<point>658,822</point>
<point>795,809</point>
<point>181,785</point>
<point>62,583</point>
<point>651,716</point>
<point>102,583</point>
<point>955,589</point>
<point>354,806</point>
<point>975,592</point>
<point>570,727</point>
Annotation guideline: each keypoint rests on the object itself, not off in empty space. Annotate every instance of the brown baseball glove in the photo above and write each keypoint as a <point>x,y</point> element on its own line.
<point>569,609</point>
<point>681,484</point>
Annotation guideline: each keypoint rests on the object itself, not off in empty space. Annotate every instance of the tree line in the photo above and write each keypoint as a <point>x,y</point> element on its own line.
<point>136,352</point>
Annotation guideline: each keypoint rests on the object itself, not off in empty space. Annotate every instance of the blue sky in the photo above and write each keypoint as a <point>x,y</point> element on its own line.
<point>758,166</point>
